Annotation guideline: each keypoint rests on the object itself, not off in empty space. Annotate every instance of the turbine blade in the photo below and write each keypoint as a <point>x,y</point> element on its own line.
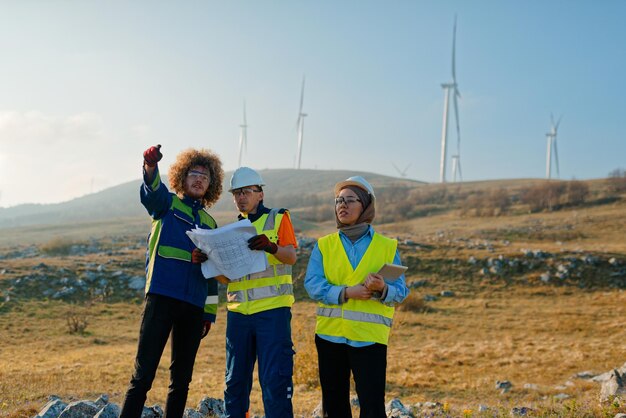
<point>301,98</point>
<point>245,138</point>
<point>458,126</point>
<point>396,167</point>
<point>245,128</point>
<point>556,127</point>
<point>453,52</point>
<point>301,104</point>
<point>302,95</point>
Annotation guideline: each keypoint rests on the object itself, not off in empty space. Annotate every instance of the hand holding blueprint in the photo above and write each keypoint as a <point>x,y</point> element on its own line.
<point>227,249</point>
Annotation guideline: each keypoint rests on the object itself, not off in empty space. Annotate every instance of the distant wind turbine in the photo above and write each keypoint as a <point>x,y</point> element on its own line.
<point>551,139</point>
<point>448,88</point>
<point>243,135</point>
<point>401,172</point>
<point>300,126</point>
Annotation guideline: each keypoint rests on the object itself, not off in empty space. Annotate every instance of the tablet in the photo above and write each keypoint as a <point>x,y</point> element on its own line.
<point>392,271</point>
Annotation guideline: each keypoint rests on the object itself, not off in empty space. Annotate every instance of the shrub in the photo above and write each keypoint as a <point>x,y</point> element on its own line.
<point>57,246</point>
<point>76,323</point>
<point>317,213</point>
<point>498,202</point>
<point>495,203</point>
<point>577,192</point>
<point>545,196</point>
<point>472,206</point>
<point>432,195</point>
<point>413,303</point>
<point>617,180</point>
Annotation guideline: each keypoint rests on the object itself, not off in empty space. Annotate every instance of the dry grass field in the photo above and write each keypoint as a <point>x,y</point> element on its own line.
<point>503,325</point>
<point>453,354</point>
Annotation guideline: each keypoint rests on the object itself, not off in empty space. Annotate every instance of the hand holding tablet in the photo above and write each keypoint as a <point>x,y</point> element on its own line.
<point>391,271</point>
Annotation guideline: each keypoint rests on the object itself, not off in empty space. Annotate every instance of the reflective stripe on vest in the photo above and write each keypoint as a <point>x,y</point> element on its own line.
<point>356,320</point>
<point>355,316</point>
<point>260,293</point>
<point>268,289</point>
<point>180,211</point>
<point>271,271</point>
<point>184,213</point>
<point>183,209</point>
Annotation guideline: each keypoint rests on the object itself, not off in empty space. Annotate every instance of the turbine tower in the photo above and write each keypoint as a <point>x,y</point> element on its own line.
<point>243,135</point>
<point>448,88</point>
<point>300,126</point>
<point>456,168</point>
<point>551,139</point>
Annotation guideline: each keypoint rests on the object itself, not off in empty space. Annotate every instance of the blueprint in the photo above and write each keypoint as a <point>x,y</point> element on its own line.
<point>227,249</point>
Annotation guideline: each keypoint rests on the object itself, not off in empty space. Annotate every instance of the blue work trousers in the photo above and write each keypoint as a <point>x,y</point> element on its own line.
<point>266,335</point>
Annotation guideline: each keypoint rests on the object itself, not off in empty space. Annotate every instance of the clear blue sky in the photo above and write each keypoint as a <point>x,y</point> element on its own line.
<point>86,86</point>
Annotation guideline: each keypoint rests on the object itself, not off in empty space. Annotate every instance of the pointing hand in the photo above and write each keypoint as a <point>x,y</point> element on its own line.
<point>152,155</point>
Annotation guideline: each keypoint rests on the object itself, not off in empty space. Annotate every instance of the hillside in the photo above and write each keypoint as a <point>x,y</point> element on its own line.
<point>122,201</point>
<point>514,210</point>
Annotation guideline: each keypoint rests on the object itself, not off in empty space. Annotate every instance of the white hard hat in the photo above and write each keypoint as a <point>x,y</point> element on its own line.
<point>245,176</point>
<point>357,181</point>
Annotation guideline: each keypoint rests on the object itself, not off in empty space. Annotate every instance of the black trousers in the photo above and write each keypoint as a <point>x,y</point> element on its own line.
<point>161,316</point>
<point>369,368</point>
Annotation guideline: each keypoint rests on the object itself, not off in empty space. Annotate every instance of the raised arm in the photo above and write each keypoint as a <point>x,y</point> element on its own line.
<point>153,194</point>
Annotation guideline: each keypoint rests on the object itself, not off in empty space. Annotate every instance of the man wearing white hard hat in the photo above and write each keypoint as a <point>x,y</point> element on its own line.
<point>355,304</point>
<point>259,307</point>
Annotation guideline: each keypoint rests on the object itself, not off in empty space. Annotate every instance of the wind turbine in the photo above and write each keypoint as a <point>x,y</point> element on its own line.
<point>448,88</point>
<point>300,125</point>
<point>551,139</point>
<point>243,135</point>
<point>401,172</point>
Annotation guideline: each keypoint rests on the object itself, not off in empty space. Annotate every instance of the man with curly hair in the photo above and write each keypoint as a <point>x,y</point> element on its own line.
<point>179,300</point>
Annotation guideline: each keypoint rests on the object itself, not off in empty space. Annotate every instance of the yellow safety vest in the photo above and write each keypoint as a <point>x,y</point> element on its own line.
<point>356,320</point>
<point>269,289</point>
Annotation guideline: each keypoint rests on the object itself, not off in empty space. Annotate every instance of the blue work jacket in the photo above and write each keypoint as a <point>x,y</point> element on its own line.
<point>169,270</point>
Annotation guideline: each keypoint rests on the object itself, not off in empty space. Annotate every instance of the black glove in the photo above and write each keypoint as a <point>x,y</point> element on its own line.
<point>152,155</point>
<point>198,257</point>
<point>262,242</point>
<point>206,327</point>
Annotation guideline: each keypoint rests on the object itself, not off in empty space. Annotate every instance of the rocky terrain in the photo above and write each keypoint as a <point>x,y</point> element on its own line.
<point>613,390</point>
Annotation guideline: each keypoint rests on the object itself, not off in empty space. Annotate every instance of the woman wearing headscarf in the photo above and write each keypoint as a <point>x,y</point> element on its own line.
<point>356,305</point>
